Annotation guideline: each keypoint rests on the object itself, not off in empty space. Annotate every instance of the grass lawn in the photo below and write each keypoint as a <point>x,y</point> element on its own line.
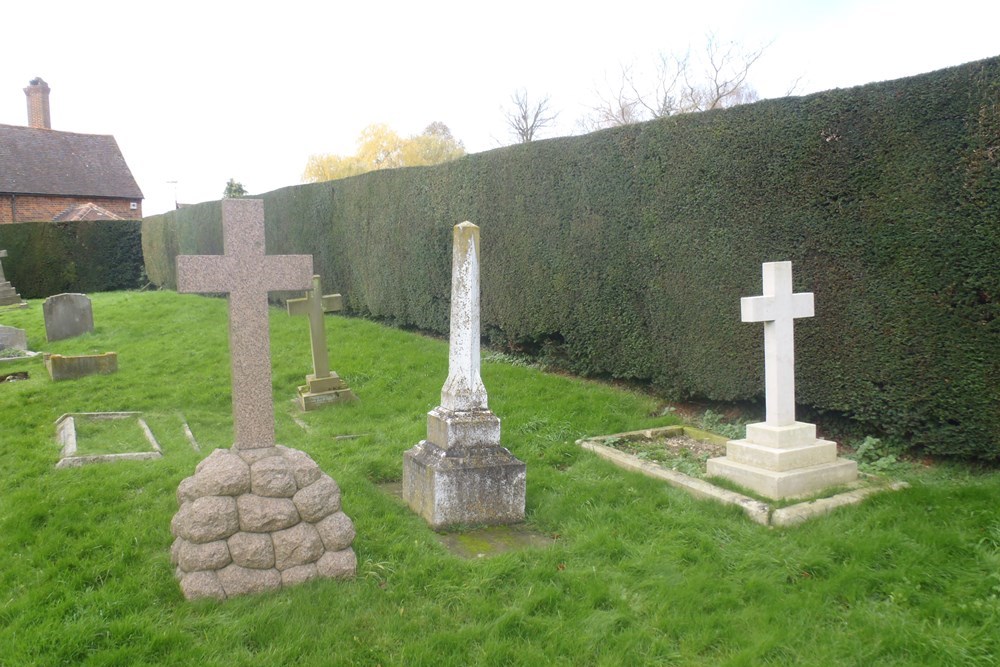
<point>639,573</point>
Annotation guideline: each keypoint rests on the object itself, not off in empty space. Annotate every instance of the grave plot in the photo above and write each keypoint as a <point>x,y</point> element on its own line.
<point>103,437</point>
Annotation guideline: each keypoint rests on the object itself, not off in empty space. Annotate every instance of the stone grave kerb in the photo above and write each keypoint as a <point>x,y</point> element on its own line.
<point>246,274</point>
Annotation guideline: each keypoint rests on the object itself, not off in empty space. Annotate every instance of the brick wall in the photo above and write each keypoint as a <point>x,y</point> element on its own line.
<point>41,208</point>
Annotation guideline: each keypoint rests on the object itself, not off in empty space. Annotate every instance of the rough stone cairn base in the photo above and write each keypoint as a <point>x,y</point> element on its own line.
<point>254,520</point>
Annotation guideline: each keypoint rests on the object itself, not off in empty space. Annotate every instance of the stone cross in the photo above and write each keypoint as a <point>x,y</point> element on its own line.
<point>313,306</point>
<point>777,309</point>
<point>3,253</point>
<point>246,275</point>
<point>463,390</point>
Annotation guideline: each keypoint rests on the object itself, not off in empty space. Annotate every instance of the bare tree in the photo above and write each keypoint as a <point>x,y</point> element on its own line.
<point>679,84</point>
<point>526,119</point>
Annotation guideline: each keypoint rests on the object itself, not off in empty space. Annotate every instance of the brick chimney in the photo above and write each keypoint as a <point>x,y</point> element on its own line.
<point>38,104</point>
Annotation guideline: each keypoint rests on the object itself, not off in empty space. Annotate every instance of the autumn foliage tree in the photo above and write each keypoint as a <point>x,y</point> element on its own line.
<point>380,147</point>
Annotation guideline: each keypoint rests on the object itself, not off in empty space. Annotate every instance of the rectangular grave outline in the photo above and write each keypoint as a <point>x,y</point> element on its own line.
<point>66,438</point>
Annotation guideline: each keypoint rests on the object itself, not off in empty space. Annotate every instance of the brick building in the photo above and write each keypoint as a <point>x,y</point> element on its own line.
<point>48,175</point>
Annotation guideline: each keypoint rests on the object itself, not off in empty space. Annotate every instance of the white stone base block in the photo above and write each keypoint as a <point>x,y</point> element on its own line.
<point>785,484</point>
<point>781,459</point>
<point>796,434</point>
<point>482,485</point>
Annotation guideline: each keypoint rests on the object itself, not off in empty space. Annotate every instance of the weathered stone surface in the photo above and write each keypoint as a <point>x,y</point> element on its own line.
<point>206,519</point>
<point>338,564</point>
<point>67,315</point>
<point>306,470</point>
<point>13,338</point>
<point>319,499</point>
<point>299,574</point>
<point>336,531</point>
<point>222,473</point>
<point>74,367</point>
<point>175,550</point>
<point>259,514</point>
<point>207,556</point>
<point>238,580</point>
<point>206,584</point>
<point>251,456</point>
<point>273,477</point>
<point>252,550</point>
<point>297,545</point>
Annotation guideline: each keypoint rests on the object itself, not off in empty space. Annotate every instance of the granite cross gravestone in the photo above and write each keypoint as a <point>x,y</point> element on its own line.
<point>259,516</point>
<point>246,274</point>
<point>781,457</point>
<point>323,386</point>
<point>67,315</point>
<point>461,474</point>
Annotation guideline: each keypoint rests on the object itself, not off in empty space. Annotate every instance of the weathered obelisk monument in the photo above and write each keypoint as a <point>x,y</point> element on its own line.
<point>461,474</point>
<point>781,457</point>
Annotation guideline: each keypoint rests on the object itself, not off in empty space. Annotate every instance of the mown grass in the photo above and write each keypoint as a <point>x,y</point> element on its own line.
<point>639,573</point>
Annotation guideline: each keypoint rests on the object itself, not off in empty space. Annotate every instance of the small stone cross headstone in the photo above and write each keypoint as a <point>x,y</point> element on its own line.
<point>780,457</point>
<point>323,386</point>
<point>777,308</point>
<point>246,274</point>
<point>67,315</point>
<point>259,516</point>
<point>461,474</point>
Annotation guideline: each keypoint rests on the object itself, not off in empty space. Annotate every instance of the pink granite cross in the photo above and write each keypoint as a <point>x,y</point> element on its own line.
<point>246,275</point>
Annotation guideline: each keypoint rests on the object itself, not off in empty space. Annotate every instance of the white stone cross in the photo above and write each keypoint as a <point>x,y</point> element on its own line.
<point>246,275</point>
<point>777,309</point>
<point>464,390</point>
<point>313,305</point>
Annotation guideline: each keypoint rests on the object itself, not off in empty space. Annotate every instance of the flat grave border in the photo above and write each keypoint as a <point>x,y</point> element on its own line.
<point>66,437</point>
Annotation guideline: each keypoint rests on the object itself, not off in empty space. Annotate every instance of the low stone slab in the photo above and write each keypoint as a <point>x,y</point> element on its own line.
<point>13,338</point>
<point>74,367</point>
<point>758,511</point>
<point>66,438</point>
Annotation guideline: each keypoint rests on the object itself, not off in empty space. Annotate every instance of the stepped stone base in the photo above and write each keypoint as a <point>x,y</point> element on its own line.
<point>9,296</point>
<point>323,391</point>
<point>461,475</point>
<point>783,462</point>
<point>255,520</point>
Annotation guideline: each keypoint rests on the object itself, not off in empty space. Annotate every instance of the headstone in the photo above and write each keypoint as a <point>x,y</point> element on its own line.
<point>67,315</point>
<point>781,457</point>
<point>323,386</point>
<point>259,516</point>
<point>13,338</point>
<point>8,295</point>
<point>461,474</point>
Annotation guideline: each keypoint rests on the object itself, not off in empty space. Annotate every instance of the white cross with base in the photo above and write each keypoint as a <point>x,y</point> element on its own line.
<point>246,275</point>
<point>777,309</point>
<point>313,306</point>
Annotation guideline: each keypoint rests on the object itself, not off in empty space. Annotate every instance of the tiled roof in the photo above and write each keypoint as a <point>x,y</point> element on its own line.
<point>47,162</point>
<point>88,211</point>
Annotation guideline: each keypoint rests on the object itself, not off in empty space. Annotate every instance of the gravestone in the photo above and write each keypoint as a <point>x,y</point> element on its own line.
<point>781,457</point>
<point>67,315</point>
<point>461,474</point>
<point>8,295</point>
<point>13,338</point>
<point>323,386</point>
<point>259,516</point>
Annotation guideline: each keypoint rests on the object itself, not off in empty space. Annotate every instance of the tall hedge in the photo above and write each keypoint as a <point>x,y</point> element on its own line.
<point>627,250</point>
<point>46,258</point>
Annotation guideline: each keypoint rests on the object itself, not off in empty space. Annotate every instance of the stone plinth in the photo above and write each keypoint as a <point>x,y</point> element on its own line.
<point>255,520</point>
<point>461,475</point>
<point>73,367</point>
<point>318,392</point>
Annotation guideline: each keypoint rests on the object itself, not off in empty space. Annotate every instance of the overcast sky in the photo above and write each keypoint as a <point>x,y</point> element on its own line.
<point>201,92</point>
